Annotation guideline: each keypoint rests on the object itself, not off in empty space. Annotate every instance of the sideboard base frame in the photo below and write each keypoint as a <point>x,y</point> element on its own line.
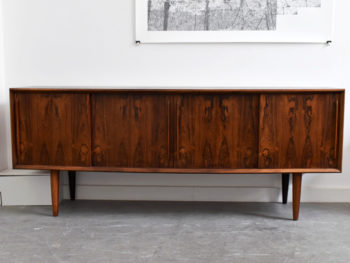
<point>297,178</point>
<point>179,170</point>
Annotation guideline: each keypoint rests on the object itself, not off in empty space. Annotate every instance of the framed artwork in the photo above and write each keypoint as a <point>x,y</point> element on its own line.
<point>295,21</point>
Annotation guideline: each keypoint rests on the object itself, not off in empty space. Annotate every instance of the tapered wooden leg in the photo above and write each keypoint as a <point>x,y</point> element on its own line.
<point>72,183</point>
<point>296,194</point>
<point>285,188</point>
<point>55,191</point>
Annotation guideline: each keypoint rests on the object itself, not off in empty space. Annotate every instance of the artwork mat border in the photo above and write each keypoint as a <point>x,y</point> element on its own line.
<point>142,35</point>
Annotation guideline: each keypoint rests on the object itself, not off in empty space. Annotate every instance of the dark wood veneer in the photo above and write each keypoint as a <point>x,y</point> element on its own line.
<point>131,130</point>
<point>53,129</point>
<point>208,135</point>
<point>178,131</point>
<point>306,141</point>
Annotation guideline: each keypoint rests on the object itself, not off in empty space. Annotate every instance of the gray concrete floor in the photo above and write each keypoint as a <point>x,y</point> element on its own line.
<point>110,231</point>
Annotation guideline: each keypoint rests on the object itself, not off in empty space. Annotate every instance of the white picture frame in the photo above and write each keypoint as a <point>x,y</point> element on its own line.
<point>310,25</point>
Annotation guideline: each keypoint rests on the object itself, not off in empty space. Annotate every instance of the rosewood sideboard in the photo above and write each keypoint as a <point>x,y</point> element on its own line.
<point>178,131</point>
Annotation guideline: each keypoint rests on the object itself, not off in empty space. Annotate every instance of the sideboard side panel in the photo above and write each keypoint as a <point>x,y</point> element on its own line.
<point>217,131</point>
<point>53,129</point>
<point>131,130</point>
<point>299,130</point>
<point>340,128</point>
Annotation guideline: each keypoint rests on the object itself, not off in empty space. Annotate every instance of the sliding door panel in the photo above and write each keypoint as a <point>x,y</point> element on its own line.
<point>131,130</point>
<point>217,131</point>
<point>298,130</point>
<point>53,129</point>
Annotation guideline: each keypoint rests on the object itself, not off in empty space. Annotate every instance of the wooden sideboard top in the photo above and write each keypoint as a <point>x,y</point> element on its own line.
<point>173,90</point>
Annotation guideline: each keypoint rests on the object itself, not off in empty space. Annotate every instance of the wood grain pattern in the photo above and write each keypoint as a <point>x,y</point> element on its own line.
<point>211,131</point>
<point>297,178</point>
<point>217,131</point>
<point>14,134</point>
<point>340,130</point>
<point>53,129</point>
<point>111,90</point>
<point>55,191</point>
<point>131,131</point>
<point>178,131</point>
<point>180,170</point>
<point>298,131</point>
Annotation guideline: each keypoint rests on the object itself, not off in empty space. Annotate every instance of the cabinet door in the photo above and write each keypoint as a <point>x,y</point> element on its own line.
<point>217,131</point>
<point>53,129</point>
<point>298,130</point>
<point>131,130</point>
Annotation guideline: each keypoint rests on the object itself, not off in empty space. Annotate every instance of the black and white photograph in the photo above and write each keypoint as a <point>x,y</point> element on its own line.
<point>234,20</point>
<point>216,15</point>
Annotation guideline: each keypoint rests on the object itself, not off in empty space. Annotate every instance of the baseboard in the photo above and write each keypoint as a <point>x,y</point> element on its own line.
<point>19,172</point>
<point>230,194</point>
<point>176,193</point>
<point>25,190</point>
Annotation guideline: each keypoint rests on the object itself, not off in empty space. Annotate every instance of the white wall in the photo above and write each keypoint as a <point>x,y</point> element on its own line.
<point>3,104</point>
<point>91,42</point>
